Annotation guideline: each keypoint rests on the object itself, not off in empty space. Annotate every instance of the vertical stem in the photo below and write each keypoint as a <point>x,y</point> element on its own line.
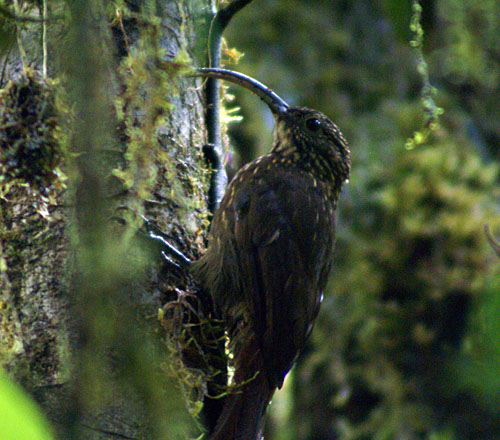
<point>44,37</point>
<point>220,20</point>
<point>4,67</point>
<point>20,45</point>
<point>212,97</point>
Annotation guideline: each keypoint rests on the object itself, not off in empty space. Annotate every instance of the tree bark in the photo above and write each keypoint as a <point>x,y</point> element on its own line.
<point>79,293</point>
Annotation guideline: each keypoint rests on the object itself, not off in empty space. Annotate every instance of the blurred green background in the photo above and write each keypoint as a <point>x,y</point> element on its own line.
<point>407,343</point>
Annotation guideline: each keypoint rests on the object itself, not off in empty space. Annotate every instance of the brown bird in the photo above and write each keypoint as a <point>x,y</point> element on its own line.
<point>270,252</point>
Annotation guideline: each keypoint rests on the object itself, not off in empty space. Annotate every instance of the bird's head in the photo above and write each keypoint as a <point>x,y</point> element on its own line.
<point>306,137</point>
<point>317,140</point>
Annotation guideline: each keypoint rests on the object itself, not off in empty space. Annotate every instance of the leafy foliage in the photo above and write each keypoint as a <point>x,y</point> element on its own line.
<point>21,419</point>
<point>401,339</point>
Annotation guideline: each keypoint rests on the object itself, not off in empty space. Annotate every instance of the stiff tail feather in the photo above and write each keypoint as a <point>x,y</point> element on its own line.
<point>243,415</point>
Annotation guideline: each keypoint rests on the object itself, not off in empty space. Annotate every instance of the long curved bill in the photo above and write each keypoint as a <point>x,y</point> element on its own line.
<point>275,103</point>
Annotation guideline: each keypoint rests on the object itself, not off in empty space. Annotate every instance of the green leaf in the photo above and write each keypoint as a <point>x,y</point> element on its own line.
<point>20,417</point>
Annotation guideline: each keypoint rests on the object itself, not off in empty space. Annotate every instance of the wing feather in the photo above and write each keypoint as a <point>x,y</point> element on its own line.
<point>281,269</point>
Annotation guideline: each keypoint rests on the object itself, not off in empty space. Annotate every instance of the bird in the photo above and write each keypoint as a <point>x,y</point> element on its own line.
<point>270,252</point>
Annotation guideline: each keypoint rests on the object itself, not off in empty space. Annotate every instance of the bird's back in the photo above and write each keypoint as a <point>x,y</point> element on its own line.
<point>273,238</point>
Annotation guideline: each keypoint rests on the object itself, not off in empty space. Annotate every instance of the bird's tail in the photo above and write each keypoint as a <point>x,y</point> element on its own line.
<point>243,415</point>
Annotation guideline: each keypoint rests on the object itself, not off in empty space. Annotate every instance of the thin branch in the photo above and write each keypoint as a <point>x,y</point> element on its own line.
<point>45,13</point>
<point>19,37</point>
<point>227,13</point>
<point>212,95</point>
<point>4,67</point>
<point>493,243</point>
<point>219,23</point>
<point>124,33</point>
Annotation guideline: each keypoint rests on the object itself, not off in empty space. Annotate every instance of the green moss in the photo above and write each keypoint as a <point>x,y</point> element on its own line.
<point>431,110</point>
<point>30,148</point>
<point>155,164</point>
<point>161,175</point>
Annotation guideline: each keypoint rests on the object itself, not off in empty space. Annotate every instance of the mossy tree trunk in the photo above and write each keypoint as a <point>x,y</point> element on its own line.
<point>80,292</point>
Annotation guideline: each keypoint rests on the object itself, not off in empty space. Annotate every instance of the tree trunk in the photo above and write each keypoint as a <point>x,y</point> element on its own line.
<point>80,293</point>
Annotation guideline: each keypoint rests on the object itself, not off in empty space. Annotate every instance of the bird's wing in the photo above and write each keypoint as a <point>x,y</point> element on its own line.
<point>283,249</point>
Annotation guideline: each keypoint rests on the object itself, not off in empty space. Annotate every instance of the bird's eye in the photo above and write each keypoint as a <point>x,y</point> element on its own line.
<point>313,124</point>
